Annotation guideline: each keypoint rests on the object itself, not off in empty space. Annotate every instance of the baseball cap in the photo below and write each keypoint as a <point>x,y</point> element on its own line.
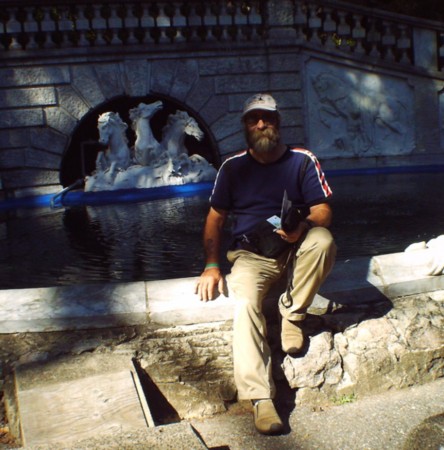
<point>260,101</point>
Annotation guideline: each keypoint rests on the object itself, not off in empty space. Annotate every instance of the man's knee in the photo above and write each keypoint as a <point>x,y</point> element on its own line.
<point>321,240</point>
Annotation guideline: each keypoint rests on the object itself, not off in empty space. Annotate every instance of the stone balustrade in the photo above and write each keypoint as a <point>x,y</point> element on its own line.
<point>31,25</point>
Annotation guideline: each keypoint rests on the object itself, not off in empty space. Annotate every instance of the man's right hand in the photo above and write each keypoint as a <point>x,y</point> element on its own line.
<point>208,282</point>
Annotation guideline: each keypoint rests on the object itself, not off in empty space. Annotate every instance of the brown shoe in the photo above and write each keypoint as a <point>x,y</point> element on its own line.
<point>266,419</point>
<point>292,337</point>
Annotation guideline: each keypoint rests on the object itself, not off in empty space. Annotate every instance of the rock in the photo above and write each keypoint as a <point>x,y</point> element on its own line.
<point>362,355</point>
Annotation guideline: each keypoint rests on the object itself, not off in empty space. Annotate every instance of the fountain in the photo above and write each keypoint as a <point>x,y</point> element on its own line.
<point>148,163</point>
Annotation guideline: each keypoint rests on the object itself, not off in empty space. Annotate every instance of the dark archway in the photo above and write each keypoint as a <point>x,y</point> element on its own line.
<point>80,157</point>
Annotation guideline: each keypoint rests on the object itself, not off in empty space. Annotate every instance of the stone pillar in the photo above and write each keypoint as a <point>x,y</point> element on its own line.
<point>280,20</point>
<point>425,49</point>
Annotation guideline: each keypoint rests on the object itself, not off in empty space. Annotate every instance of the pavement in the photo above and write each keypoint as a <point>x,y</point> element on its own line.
<point>408,419</point>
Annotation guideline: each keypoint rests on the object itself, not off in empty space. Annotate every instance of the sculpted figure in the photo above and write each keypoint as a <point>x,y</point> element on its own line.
<point>146,148</point>
<point>112,133</point>
<point>154,164</point>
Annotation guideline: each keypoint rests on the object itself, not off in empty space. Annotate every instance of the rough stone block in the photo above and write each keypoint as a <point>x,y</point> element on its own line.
<point>162,75</point>
<point>60,120</point>
<point>14,138</point>
<point>42,96</point>
<point>228,84</point>
<point>390,345</point>
<point>186,77</point>
<point>137,74</point>
<point>12,158</point>
<point>85,81</point>
<point>109,77</point>
<point>285,62</point>
<point>16,179</point>
<point>41,159</point>
<point>223,127</point>
<point>72,102</point>
<point>34,76</point>
<point>232,144</point>
<point>236,64</point>
<point>216,108</point>
<point>49,140</point>
<point>201,93</point>
<point>21,118</point>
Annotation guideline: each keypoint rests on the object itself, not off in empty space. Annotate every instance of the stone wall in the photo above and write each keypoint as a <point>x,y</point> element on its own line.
<point>382,103</point>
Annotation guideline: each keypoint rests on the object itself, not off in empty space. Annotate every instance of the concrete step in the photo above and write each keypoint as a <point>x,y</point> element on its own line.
<point>76,398</point>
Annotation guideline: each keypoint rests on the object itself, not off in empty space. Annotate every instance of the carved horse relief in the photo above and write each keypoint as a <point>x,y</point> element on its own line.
<point>112,133</point>
<point>146,148</point>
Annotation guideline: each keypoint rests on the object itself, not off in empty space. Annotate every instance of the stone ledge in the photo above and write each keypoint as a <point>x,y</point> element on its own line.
<point>173,302</point>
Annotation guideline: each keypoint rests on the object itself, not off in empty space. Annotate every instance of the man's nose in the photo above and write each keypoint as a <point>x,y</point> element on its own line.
<point>261,124</point>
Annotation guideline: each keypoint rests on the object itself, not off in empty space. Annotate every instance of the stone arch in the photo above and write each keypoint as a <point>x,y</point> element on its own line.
<point>81,153</point>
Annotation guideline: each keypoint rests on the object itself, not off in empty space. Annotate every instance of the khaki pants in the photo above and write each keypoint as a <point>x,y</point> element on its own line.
<point>250,279</point>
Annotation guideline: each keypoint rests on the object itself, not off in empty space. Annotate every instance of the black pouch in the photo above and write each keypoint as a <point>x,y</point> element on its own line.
<point>266,241</point>
<point>292,218</point>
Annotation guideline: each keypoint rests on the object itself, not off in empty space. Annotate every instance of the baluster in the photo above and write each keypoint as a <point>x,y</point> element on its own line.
<point>98,25</point>
<point>65,26</point>
<point>165,30</point>
<point>216,11</point>
<point>358,34</point>
<point>373,38</point>
<point>329,28</point>
<point>246,28</point>
<point>404,44</point>
<point>40,37</point>
<point>388,40</point>
<point>224,19</point>
<point>179,21</point>
<point>343,29</point>
<point>82,25</point>
<point>300,21</point>
<point>130,25</point>
<point>314,24</point>
<point>24,25</point>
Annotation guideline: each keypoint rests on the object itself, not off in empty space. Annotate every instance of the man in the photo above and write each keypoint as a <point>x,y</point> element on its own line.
<point>251,187</point>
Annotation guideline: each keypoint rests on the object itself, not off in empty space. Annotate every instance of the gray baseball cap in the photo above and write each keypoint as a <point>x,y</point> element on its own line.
<point>260,101</point>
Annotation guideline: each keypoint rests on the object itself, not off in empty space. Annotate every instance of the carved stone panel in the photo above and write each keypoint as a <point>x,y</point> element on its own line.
<point>350,112</point>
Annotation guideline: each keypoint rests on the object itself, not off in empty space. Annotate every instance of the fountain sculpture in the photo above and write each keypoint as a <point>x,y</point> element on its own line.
<point>148,163</point>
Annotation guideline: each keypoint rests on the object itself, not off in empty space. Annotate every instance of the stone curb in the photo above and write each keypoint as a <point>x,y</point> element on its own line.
<point>173,302</point>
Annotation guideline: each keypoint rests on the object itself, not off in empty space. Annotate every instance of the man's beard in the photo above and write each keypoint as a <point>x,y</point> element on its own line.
<point>263,141</point>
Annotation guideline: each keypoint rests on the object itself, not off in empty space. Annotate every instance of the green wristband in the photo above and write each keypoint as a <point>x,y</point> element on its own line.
<point>212,266</point>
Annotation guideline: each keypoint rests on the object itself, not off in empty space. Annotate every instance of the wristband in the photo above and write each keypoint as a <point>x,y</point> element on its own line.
<point>212,266</point>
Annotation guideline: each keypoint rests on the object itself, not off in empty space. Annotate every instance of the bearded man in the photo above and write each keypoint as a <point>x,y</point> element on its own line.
<point>256,187</point>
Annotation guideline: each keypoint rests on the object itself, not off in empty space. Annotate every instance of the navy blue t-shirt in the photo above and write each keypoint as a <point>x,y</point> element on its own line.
<point>253,192</point>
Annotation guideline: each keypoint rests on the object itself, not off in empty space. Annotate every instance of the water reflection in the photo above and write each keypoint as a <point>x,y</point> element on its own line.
<point>162,239</point>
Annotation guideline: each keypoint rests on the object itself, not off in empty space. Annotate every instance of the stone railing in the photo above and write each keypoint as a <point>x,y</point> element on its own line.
<point>332,25</point>
<point>336,25</point>
<point>35,24</point>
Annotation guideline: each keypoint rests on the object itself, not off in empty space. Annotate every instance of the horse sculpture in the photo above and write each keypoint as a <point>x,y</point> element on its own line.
<point>154,164</point>
<point>146,148</point>
<point>112,133</point>
<point>178,126</point>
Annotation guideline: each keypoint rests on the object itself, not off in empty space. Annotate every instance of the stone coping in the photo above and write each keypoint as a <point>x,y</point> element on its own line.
<point>173,302</point>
